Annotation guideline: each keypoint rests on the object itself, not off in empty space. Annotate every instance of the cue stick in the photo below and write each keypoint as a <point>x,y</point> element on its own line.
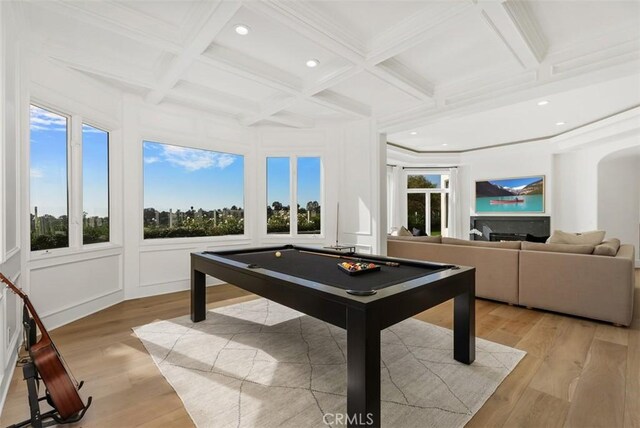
<point>337,222</point>
<point>357,259</point>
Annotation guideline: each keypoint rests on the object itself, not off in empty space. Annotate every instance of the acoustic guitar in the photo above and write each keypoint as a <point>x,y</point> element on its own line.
<point>62,388</point>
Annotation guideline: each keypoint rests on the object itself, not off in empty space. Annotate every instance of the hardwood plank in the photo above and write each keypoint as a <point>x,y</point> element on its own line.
<point>537,409</point>
<point>561,369</point>
<point>539,340</point>
<point>498,407</point>
<point>599,397</point>
<point>613,334</point>
<point>632,393</point>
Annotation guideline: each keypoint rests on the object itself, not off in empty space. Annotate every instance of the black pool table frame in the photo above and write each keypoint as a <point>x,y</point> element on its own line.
<point>362,317</point>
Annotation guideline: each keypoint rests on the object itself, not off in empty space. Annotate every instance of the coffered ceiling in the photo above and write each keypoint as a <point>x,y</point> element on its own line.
<point>430,72</point>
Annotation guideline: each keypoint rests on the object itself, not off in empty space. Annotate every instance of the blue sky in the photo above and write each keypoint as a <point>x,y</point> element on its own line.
<point>308,184</point>
<point>515,182</point>
<point>174,177</point>
<point>178,178</point>
<point>49,165</point>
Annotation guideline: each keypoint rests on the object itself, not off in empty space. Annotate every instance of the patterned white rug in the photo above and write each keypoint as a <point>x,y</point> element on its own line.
<point>260,364</point>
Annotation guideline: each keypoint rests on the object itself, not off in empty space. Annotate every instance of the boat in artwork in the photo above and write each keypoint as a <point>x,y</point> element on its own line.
<point>506,201</point>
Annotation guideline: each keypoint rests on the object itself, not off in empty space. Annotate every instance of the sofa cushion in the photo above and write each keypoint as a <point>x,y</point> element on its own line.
<point>594,237</point>
<point>607,248</point>
<point>508,245</point>
<point>558,248</point>
<point>429,239</point>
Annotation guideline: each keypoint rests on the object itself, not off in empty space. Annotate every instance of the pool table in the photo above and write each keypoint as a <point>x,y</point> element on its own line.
<point>309,280</point>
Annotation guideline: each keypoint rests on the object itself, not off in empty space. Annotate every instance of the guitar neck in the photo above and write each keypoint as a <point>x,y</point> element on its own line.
<point>27,302</point>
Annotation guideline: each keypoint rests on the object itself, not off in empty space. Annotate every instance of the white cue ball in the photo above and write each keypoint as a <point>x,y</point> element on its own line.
<point>278,254</point>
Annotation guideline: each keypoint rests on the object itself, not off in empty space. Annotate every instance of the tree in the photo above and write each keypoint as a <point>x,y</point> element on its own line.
<point>277,206</point>
<point>419,182</point>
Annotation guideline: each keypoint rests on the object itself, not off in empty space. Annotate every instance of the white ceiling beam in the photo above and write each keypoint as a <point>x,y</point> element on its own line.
<point>342,104</point>
<point>293,120</point>
<point>205,95</point>
<point>514,26</point>
<point>220,15</point>
<point>288,14</point>
<point>109,70</point>
<point>396,74</point>
<point>249,68</point>
<point>417,29</point>
<point>117,26</point>
<point>271,107</point>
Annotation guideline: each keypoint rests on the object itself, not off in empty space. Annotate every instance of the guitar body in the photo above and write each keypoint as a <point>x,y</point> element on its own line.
<point>62,388</point>
<point>62,391</point>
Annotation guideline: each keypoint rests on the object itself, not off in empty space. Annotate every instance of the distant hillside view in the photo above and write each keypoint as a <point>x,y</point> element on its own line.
<point>493,188</point>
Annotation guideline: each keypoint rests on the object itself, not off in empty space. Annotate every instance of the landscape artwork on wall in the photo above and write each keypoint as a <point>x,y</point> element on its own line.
<point>510,195</point>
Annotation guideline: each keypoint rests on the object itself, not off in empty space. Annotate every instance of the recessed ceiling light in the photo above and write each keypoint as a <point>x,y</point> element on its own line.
<point>413,133</point>
<point>242,29</point>
<point>543,103</point>
<point>444,144</point>
<point>312,63</point>
<point>560,123</point>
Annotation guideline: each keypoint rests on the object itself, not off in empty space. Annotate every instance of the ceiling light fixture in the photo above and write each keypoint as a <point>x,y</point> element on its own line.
<point>312,63</point>
<point>444,144</point>
<point>543,103</point>
<point>413,133</point>
<point>242,29</point>
<point>560,123</point>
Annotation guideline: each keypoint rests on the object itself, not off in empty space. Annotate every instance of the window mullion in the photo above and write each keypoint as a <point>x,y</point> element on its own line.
<point>75,183</point>
<point>293,188</point>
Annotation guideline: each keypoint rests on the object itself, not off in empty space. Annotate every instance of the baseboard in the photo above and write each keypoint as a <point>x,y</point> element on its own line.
<point>166,288</point>
<point>74,313</point>
<point>8,375</point>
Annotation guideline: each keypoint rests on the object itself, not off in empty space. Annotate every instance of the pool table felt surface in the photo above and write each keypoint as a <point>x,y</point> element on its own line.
<point>323,269</point>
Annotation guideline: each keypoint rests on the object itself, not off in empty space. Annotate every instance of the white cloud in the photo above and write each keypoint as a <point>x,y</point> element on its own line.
<point>43,120</point>
<point>91,130</point>
<point>36,173</point>
<point>194,160</point>
<point>151,159</point>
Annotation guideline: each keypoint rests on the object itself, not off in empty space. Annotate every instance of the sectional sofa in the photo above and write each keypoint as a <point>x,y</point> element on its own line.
<point>563,278</point>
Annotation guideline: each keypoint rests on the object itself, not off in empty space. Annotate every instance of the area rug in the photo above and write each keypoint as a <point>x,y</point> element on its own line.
<point>261,364</point>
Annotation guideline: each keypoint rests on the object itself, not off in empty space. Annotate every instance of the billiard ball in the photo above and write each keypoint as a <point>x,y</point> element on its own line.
<point>278,254</point>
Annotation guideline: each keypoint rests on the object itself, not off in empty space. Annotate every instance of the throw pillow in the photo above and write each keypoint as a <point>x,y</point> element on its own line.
<point>404,232</point>
<point>534,238</point>
<point>593,238</point>
<point>607,248</point>
<point>558,248</point>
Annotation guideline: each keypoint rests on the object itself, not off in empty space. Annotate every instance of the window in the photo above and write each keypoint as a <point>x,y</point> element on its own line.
<point>308,186</point>
<point>95,185</point>
<point>192,192</point>
<point>49,210</point>
<point>278,195</point>
<point>307,197</point>
<point>428,204</point>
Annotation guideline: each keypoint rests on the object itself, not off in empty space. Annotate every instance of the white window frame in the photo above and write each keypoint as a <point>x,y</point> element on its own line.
<point>197,144</point>
<point>293,198</point>
<point>427,192</point>
<point>75,203</point>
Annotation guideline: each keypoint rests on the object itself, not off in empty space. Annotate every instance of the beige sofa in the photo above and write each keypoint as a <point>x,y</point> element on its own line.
<point>587,285</point>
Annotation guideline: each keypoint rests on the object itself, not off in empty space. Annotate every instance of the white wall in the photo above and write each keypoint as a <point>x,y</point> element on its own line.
<point>520,160</point>
<point>619,196</point>
<point>10,237</point>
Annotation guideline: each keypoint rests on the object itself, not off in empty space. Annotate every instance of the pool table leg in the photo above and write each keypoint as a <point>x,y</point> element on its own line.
<point>363,369</point>
<point>198,296</point>
<point>464,326</point>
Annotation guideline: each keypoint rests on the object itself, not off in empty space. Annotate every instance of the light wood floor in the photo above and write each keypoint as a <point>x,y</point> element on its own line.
<point>576,373</point>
